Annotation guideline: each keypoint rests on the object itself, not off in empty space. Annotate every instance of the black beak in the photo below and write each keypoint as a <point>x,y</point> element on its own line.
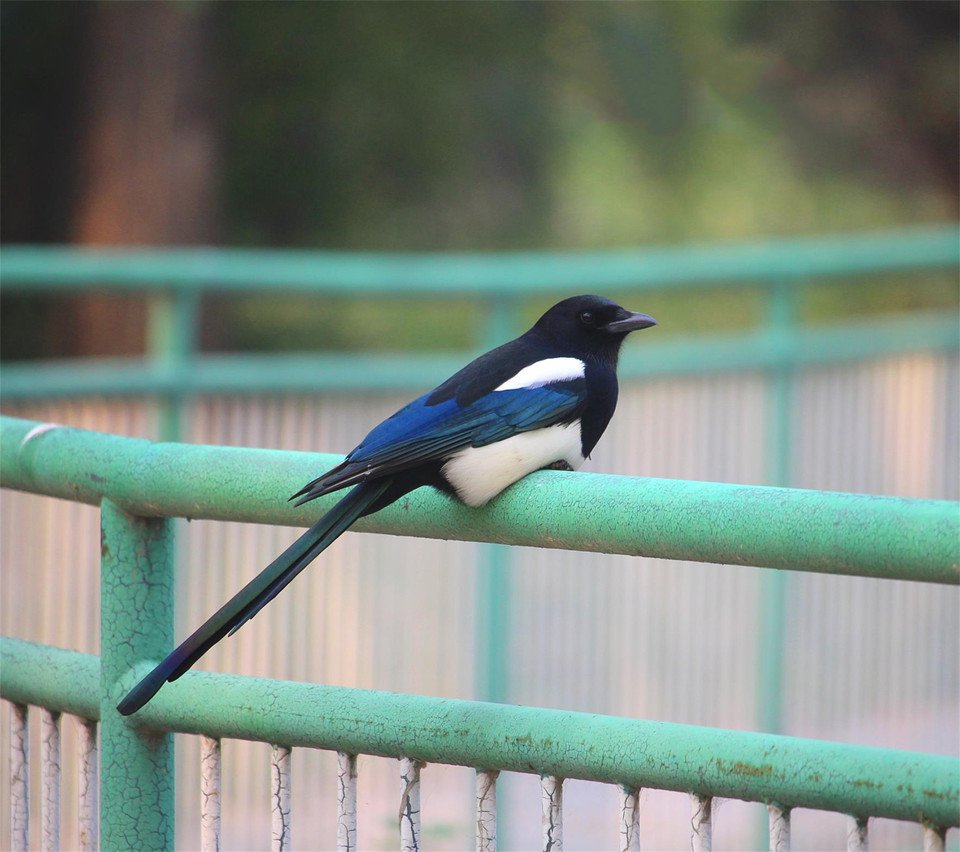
<point>630,322</point>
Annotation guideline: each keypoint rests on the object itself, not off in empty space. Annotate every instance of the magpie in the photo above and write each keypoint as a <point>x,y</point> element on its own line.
<point>540,401</point>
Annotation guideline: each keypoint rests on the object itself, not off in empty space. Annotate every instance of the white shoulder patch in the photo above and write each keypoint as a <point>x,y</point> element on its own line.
<point>544,372</point>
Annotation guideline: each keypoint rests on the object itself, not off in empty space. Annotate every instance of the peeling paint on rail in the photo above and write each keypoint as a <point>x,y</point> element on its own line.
<point>632,752</point>
<point>829,532</point>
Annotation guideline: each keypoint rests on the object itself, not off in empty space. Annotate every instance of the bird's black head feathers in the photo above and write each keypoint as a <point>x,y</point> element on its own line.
<point>591,328</point>
<point>589,325</point>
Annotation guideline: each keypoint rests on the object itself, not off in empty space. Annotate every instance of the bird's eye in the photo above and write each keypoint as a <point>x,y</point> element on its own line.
<point>587,318</point>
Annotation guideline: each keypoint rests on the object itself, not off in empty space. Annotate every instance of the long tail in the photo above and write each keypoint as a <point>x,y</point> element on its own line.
<point>257,593</point>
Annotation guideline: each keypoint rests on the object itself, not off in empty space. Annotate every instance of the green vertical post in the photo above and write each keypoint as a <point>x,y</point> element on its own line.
<point>171,344</point>
<point>773,591</point>
<point>781,318</point>
<point>493,614</point>
<point>136,624</point>
<point>494,623</point>
<point>493,601</point>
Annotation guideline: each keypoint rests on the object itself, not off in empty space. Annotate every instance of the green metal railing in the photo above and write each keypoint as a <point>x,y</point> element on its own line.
<point>140,485</point>
<point>174,279</point>
<point>173,370</point>
<point>863,535</point>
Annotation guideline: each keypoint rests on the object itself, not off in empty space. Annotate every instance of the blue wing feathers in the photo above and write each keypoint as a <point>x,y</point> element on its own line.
<point>421,432</point>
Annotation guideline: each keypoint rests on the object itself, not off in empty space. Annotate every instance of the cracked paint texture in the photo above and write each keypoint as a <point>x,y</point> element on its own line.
<point>19,778</point>
<point>210,799</point>
<point>137,780</point>
<point>280,798</point>
<point>803,530</point>
<point>410,804</point>
<point>89,786</point>
<point>629,819</point>
<point>346,802</point>
<point>487,811</point>
<point>797,772</point>
<point>701,823</point>
<point>856,835</point>
<point>551,789</point>
<point>779,829</point>
<point>50,780</point>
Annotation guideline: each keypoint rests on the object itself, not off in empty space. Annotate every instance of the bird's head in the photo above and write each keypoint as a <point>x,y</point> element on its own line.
<point>590,325</point>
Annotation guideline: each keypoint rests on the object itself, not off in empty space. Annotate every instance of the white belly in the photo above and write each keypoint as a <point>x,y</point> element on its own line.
<point>480,473</point>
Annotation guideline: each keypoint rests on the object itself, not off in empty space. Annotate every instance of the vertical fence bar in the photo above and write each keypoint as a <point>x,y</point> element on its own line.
<point>136,625</point>
<point>487,810</point>
<point>857,834</point>
<point>781,317</point>
<point>19,778</point>
<point>171,344</point>
<point>934,839</point>
<point>211,774</point>
<point>409,804</point>
<point>50,780</point>
<point>551,801</point>
<point>701,824</point>
<point>346,802</point>
<point>779,820</point>
<point>494,623</point>
<point>89,784</point>
<point>493,615</point>
<point>280,798</point>
<point>771,641</point>
<point>629,819</point>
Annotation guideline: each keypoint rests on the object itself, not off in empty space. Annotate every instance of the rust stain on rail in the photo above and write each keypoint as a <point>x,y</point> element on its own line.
<point>751,770</point>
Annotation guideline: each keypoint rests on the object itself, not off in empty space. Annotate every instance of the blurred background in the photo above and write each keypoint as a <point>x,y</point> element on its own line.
<point>678,131</point>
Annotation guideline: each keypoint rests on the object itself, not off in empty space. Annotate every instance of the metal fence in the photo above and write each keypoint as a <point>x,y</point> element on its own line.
<point>140,485</point>
<point>870,406</point>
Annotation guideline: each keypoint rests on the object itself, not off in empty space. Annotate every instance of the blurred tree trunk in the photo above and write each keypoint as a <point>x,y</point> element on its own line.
<point>148,153</point>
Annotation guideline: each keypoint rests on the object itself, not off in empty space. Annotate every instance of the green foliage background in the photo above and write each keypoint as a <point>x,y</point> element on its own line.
<point>490,126</point>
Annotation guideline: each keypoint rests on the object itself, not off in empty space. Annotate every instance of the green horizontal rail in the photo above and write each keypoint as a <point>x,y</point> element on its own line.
<point>356,371</point>
<point>816,531</point>
<point>788,771</point>
<point>703,521</point>
<point>515,274</point>
<point>45,676</point>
